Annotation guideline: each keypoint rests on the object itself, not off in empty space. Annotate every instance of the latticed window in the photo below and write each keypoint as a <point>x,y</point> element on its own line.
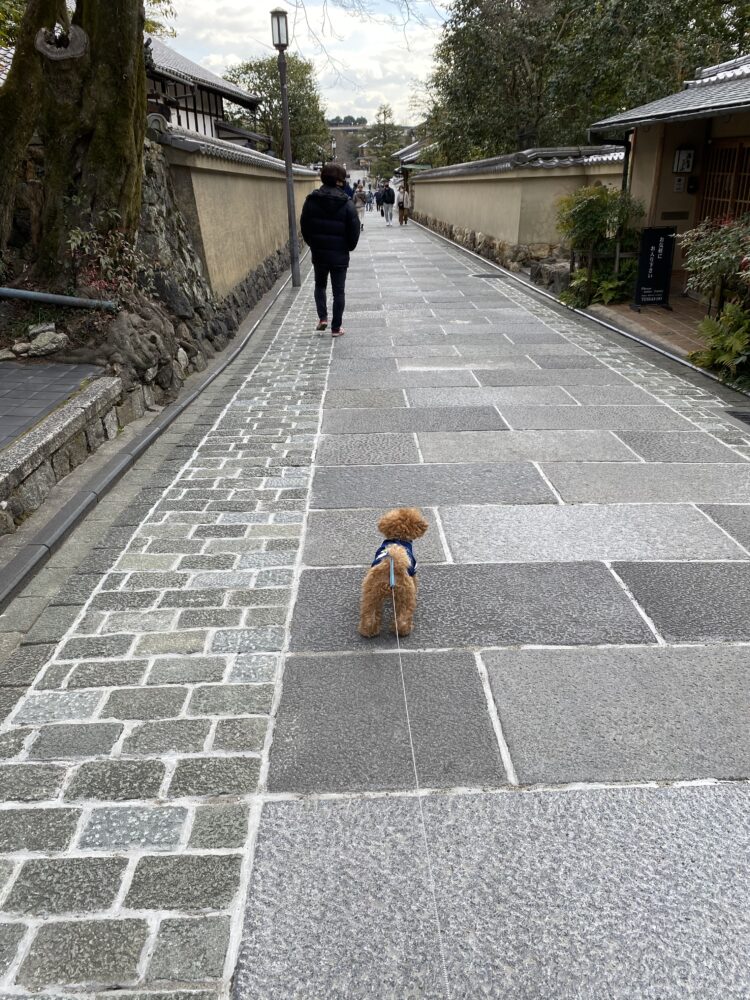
<point>726,183</point>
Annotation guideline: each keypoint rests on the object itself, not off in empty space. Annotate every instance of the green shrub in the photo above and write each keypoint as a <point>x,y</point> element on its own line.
<point>105,260</point>
<point>727,348</point>
<point>603,286</point>
<point>591,220</point>
<point>717,255</point>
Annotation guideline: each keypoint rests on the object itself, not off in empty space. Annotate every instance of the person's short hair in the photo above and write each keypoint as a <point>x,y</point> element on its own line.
<point>332,173</point>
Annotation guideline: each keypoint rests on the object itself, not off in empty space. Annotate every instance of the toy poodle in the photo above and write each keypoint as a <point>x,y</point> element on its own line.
<point>400,527</point>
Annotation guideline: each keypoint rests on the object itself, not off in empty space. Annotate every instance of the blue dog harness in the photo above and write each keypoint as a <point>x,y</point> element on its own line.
<point>382,554</point>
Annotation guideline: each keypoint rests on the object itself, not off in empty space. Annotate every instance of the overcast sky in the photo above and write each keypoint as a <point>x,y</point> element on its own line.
<point>361,64</point>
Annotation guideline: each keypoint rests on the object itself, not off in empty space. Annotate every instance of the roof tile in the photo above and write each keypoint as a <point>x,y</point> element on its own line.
<point>170,61</point>
<point>717,89</point>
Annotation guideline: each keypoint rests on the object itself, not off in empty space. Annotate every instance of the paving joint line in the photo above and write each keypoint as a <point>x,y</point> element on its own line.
<point>641,611</point>
<point>494,715</point>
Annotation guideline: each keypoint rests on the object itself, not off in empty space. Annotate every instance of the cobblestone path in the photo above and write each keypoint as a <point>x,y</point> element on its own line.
<point>211,784</point>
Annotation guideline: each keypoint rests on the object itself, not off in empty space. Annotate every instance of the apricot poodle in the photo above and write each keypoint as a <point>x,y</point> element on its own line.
<point>400,527</point>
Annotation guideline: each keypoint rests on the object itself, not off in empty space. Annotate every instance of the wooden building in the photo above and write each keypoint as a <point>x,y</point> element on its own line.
<point>689,153</point>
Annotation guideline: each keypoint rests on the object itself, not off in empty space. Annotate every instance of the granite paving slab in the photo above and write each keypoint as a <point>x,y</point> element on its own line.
<point>583,533</point>
<point>560,361</point>
<point>380,366</point>
<point>342,726</point>
<point>359,870</point>
<point>502,346</point>
<point>427,485</point>
<point>582,375</point>
<point>490,396</point>
<point>692,602</point>
<point>624,714</point>
<point>733,518</point>
<point>351,538</point>
<point>450,363</point>
<point>401,380</point>
<point>688,446</point>
<point>99,953</point>
<point>490,605</point>
<point>620,893</point>
<point>337,399</point>
<point>382,348</point>
<point>612,395</point>
<point>612,418</point>
<point>519,879</point>
<point>423,334</point>
<point>524,446</point>
<point>541,336</point>
<point>367,449</point>
<point>585,482</point>
<point>406,420</point>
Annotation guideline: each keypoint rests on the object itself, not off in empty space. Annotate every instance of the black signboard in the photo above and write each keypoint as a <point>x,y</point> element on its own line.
<point>655,267</point>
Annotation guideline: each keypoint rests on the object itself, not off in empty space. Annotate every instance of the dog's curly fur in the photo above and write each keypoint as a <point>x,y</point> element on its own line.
<point>406,524</point>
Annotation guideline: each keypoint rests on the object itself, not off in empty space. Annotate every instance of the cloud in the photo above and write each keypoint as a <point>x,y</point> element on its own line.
<point>361,64</point>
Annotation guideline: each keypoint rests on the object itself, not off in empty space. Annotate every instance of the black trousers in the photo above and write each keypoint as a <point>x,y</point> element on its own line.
<point>338,284</point>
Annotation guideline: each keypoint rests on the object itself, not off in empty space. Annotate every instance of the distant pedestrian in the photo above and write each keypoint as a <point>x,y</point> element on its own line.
<point>404,204</point>
<point>389,199</point>
<point>348,188</point>
<point>331,229</point>
<point>370,204</point>
<point>360,202</point>
<point>379,200</point>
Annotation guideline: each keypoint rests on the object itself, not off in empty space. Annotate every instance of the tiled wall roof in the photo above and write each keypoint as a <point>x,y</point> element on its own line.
<point>542,159</point>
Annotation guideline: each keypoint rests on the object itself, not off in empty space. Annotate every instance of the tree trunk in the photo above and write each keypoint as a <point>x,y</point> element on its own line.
<point>93,125</point>
<point>590,274</point>
<point>20,100</point>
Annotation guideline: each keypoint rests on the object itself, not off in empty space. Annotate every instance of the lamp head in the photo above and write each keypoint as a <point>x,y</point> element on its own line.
<point>279,29</point>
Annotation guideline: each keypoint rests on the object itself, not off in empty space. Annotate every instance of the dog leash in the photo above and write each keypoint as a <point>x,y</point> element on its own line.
<point>392,582</point>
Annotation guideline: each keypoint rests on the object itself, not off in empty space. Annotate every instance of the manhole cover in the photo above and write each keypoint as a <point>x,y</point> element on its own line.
<point>743,415</point>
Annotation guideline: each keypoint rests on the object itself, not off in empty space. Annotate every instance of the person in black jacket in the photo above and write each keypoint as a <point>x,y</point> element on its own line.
<point>330,227</point>
<point>389,197</point>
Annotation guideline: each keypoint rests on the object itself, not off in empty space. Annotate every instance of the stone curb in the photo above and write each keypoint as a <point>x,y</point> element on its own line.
<point>19,460</point>
<point>31,558</point>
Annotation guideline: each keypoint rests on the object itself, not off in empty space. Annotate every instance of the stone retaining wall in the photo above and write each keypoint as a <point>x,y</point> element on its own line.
<point>513,256</point>
<point>30,468</point>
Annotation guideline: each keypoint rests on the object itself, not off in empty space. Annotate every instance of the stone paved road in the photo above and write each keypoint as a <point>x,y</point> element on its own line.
<point>550,800</point>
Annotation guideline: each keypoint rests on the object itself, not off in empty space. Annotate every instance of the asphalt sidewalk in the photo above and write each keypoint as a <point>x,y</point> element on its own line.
<point>213,784</point>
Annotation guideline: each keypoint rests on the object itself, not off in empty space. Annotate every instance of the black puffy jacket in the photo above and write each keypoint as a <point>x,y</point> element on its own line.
<point>329,225</point>
<point>389,196</point>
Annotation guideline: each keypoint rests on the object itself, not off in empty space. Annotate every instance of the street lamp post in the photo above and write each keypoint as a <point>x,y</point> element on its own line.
<point>280,35</point>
